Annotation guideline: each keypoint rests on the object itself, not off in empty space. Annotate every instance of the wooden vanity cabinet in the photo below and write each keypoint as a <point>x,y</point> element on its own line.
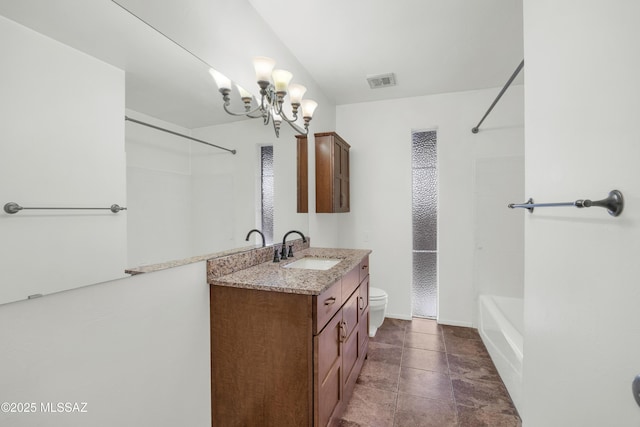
<point>332,173</point>
<point>340,349</point>
<point>284,359</point>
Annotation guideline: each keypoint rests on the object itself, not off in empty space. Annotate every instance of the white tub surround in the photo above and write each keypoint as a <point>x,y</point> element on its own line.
<point>501,327</point>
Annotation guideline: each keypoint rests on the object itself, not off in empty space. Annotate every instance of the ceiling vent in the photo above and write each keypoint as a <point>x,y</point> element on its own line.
<point>382,80</point>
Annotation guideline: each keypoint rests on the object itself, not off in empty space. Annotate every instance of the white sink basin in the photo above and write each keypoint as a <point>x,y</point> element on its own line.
<point>313,263</point>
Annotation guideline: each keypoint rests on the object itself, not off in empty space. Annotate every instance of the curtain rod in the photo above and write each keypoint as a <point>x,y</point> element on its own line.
<point>126,118</point>
<point>504,89</point>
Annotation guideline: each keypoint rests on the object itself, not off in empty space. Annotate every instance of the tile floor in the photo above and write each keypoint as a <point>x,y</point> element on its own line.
<point>419,373</point>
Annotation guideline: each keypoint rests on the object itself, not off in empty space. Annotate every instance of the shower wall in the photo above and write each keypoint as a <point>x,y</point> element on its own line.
<point>498,265</point>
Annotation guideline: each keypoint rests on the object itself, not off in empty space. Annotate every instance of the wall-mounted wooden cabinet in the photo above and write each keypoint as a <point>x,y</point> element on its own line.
<point>332,173</point>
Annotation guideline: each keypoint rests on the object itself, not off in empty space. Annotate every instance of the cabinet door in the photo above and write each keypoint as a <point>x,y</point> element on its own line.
<point>344,205</point>
<point>324,173</point>
<point>341,176</point>
<point>332,173</point>
<point>363,310</point>
<point>364,295</point>
<point>337,176</point>
<point>303,174</point>
<point>350,316</point>
<point>328,371</point>
<point>364,333</point>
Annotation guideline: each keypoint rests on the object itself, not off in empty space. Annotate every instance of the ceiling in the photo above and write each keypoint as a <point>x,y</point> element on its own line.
<point>162,79</point>
<point>432,46</point>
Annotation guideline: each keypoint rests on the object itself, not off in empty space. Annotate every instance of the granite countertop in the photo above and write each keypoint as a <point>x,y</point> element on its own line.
<point>272,276</point>
<point>184,261</point>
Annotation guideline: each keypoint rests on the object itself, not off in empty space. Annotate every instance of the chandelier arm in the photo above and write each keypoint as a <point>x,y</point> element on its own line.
<point>288,120</point>
<point>255,117</point>
<point>299,129</point>
<point>225,105</point>
<point>255,110</point>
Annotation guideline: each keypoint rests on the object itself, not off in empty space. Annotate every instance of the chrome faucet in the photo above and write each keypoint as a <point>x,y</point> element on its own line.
<point>259,232</point>
<point>283,253</point>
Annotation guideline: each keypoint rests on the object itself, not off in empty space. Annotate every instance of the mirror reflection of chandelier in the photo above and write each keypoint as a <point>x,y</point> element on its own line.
<point>274,87</point>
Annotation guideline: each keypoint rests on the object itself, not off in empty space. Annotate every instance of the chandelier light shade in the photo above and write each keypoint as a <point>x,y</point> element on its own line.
<point>296,92</point>
<point>308,107</point>
<point>221,80</point>
<point>264,67</point>
<point>274,88</point>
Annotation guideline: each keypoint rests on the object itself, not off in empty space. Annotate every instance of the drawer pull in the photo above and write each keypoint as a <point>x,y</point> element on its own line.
<point>364,267</point>
<point>330,301</point>
<point>361,304</point>
<point>343,331</point>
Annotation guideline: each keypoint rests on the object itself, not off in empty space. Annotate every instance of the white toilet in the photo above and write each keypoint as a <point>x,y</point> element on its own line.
<point>377,309</point>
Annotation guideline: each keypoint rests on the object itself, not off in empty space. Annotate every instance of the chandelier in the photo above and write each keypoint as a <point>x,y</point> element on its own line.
<point>274,87</point>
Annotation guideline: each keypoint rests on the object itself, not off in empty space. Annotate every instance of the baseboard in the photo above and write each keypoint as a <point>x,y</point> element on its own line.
<point>455,323</point>
<point>398,316</point>
<point>440,321</point>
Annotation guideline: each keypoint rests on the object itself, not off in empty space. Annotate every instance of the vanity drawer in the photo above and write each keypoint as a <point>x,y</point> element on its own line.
<point>326,305</point>
<point>350,282</point>
<point>364,267</point>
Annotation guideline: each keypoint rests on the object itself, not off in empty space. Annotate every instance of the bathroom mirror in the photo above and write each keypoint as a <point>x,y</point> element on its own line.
<point>75,70</point>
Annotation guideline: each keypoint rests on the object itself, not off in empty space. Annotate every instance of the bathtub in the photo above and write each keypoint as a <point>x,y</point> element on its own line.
<point>501,326</point>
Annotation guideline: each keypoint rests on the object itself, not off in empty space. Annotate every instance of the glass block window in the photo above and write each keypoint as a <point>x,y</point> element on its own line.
<point>425,223</point>
<point>267,186</point>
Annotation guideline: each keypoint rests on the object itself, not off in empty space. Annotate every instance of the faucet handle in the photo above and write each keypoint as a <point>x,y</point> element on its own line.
<point>290,255</point>
<point>276,256</point>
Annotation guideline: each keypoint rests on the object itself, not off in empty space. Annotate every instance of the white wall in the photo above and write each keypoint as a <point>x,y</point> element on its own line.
<point>582,339</point>
<point>61,119</point>
<point>498,267</point>
<point>136,350</point>
<point>159,193</point>
<point>217,199</point>
<point>380,217</point>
